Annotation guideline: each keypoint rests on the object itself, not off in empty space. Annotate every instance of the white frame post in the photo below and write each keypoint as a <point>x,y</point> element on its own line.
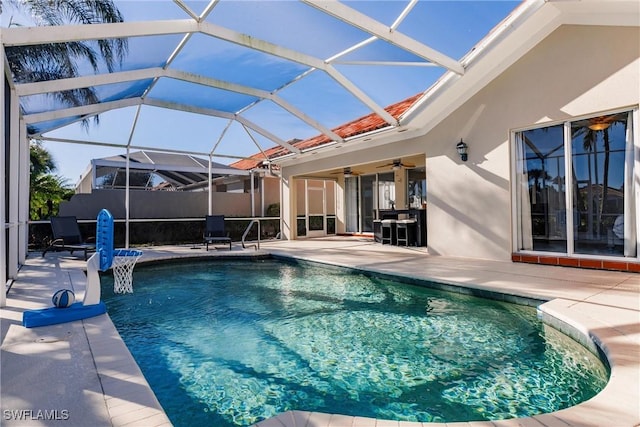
<point>3,244</point>
<point>23,195</point>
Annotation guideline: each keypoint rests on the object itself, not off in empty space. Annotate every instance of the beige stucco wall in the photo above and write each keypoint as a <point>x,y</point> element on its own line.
<point>156,204</point>
<point>577,70</point>
<point>271,191</point>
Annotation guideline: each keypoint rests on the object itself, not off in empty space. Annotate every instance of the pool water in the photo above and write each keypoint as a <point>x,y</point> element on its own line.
<point>230,343</point>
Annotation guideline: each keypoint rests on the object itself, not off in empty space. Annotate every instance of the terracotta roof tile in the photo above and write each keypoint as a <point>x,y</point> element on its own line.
<point>358,126</point>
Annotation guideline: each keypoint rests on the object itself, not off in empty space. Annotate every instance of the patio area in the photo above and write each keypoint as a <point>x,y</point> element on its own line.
<point>81,373</point>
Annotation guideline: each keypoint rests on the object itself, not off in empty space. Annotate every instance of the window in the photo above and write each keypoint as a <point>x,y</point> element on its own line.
<point>574,187</point>
<point>416,188</point>
<point>386,191</point>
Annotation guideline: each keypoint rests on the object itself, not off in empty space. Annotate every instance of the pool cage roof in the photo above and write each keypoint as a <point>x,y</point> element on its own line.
<point>158,171</point>
<point>229,79</point>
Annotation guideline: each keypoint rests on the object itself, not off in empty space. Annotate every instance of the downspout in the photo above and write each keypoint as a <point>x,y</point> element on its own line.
<point>253,199</point>
<point>262,178</point>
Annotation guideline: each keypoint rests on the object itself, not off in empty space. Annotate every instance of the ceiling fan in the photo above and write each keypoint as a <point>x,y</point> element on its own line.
<point>347,172</point>
<point>397,164</point>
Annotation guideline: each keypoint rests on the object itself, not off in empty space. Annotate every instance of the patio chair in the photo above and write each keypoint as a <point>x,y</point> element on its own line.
<point>67,237</point>
<point>214,231</point>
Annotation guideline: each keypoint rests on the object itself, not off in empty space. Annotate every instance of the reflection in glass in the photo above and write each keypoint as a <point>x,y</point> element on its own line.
<point>598,159</point>
<point>593,210</point>
<point>541,189</point>
<point>386,191</point>
<point>416,188</point>
<point>351,204</point>
<point>366,201</point>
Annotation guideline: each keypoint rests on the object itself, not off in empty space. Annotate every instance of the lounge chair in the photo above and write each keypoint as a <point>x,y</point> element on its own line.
<point>67,237</point>
<point>214,231</point>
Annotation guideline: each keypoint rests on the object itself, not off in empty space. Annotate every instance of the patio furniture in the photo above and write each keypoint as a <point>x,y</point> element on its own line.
<point>215,232</point>
<point>389,231</point>
<point>406,232</point>
<point>420,215</point>
<point>377,230</point>
<point>67,236</point>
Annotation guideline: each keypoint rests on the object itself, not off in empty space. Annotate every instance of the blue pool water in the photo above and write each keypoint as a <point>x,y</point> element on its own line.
<point>230,343</point>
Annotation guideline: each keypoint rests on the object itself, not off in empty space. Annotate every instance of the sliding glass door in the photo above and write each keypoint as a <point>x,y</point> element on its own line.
<point>364,196</point>
<point>542,196</point>
<point>367,202</point>
<point>574,187</point>
<point>351,204</point>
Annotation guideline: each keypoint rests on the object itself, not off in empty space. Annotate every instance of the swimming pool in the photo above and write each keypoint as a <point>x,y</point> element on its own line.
<point>229,343</point>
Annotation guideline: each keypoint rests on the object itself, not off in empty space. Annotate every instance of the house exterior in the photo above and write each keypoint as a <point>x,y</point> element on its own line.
<point>546,104</point>
<point>169,185</point>
<point>550,119</point>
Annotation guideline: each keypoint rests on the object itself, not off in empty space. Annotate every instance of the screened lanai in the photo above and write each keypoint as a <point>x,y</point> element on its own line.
<point>233,78</point>
<point>153,171</point>
<point>274,81</point>
<point>223,80</point>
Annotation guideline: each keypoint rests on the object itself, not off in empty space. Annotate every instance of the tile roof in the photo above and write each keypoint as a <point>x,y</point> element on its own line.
<point>358,126</point>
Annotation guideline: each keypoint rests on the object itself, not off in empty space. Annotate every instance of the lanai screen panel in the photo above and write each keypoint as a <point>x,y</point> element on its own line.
<point>283,70</point>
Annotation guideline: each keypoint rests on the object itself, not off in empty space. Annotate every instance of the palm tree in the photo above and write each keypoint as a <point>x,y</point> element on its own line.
<point>46,190</point>
<point>53,61</point>
<point>589,140</point>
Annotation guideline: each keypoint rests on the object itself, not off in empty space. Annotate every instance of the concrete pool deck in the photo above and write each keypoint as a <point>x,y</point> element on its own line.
<point>81,373</point>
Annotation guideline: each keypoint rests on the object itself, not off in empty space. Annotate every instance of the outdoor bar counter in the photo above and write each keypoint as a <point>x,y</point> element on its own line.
<point>418,233</point>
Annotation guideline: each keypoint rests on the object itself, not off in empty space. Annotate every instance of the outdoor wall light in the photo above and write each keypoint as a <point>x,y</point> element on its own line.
<point>462,150</point>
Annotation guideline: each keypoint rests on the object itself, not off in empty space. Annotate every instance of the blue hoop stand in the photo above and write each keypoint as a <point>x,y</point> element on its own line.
<point>91,305</point>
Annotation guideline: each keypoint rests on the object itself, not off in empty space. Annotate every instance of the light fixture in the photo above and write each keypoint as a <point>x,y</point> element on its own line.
<point>599,126</point>
<point>396,165</point>
<point>600,123</point>
<point>462,150</point>
<point>347,172</point>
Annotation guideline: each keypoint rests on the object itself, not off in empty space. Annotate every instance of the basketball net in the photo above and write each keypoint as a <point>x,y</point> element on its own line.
<point>123,271</point>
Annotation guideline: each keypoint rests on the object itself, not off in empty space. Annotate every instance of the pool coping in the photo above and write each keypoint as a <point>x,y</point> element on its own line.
<point>620,346</point>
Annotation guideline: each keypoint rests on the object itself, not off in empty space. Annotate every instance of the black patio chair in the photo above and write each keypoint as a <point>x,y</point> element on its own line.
<point>215,232</point>
<point>67,237</point>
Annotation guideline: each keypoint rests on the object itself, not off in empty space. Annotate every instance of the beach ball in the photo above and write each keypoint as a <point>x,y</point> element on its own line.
<point>63,298</point>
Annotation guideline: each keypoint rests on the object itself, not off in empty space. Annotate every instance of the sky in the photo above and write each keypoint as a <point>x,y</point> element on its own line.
<point>451,27</point>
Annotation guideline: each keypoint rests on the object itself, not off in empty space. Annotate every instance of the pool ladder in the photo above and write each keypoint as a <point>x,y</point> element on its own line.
<point>244,235</point>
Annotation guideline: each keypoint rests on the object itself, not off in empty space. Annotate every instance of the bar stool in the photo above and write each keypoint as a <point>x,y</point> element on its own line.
<point>377,230</point>
<point>405,232</point>
<point>389,231</point>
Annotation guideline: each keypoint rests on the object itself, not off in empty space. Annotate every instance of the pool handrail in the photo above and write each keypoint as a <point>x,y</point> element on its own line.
<point>244,235</point>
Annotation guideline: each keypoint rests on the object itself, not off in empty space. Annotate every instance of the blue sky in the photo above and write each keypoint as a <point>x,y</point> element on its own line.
<point>452,27</point>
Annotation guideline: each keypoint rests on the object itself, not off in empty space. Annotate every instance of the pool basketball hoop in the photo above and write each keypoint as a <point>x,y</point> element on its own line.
<point>123,262</point>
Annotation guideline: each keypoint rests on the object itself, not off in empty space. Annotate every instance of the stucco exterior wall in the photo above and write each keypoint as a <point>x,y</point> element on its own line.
<point>271,191</point>
<point>156,204</point>
<point>577,70</point>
